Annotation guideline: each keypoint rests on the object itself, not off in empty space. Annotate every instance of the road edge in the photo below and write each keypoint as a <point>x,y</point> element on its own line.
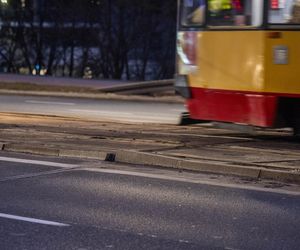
<point>154,160</point>
<point>99,96</point>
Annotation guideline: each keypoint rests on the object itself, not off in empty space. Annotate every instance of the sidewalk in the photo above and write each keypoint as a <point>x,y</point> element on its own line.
<point>59,81</point>
<point>83,88</point>
<point>269,155</point>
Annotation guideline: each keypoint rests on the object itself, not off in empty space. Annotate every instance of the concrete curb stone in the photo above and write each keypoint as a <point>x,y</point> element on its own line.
<point>101,96</point>
<point>30,149</point>
<point>280,175</point>
<point>133,157</point>
<point>150,159</point>
<point>83,153</point>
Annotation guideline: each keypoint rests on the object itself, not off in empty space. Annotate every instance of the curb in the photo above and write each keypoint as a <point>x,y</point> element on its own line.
<point>280,175</point>
<point>154,160</point>
<point>100,155</point>
<point>19,148</point>
<point>103,96</point>
<point>40,150</point>
<point>133,157</point>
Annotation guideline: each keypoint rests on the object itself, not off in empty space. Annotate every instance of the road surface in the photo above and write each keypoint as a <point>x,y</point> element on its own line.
<point>96,110</point>
<point>49,203</point>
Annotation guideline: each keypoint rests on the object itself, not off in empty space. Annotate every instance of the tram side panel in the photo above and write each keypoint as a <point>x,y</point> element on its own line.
<point>229,84</point>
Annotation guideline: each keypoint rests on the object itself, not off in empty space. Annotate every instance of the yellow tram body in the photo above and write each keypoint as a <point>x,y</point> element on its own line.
<point>243,61</point>
<point>248,74</point>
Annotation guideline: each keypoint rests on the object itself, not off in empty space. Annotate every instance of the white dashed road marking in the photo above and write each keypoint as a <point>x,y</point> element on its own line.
<point>51,103</point>
<point>32,220</point>
<point>35,162</point>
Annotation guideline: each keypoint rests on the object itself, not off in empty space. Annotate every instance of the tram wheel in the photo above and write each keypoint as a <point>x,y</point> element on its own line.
<point>296,129</point>
<point>296,122</point>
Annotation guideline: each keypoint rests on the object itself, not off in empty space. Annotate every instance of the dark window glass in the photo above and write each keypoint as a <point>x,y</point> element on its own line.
<point>235,12</point>
<point>284,12</point>
<point>192,12</point>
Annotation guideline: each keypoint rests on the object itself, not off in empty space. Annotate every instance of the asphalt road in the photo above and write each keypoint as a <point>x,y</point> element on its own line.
<point>49,203</point>
<point>96,110</point>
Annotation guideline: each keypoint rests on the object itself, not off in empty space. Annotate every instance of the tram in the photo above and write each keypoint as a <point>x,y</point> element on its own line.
<point>238,61</point>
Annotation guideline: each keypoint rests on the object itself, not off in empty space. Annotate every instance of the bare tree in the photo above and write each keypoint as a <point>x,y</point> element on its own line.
<point>115,38</point>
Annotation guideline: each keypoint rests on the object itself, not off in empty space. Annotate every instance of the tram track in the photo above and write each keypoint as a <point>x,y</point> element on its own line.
<point>193,147</point>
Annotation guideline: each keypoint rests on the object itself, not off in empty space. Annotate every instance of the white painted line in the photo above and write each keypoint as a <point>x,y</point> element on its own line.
<point>102,112</point>
<point>131,116</point>
<point>179,110</point>
<point>195,181</point>
<point>35,162</point>
<point>51,103</point>
<point>32,220</point>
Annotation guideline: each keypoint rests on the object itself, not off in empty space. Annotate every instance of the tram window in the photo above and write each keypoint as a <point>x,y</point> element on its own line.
<point>193,12</point>
<point>235,13</point>
<point>284,12</point>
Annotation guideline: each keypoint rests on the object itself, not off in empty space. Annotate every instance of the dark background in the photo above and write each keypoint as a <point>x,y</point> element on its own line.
<point>109,39</point>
